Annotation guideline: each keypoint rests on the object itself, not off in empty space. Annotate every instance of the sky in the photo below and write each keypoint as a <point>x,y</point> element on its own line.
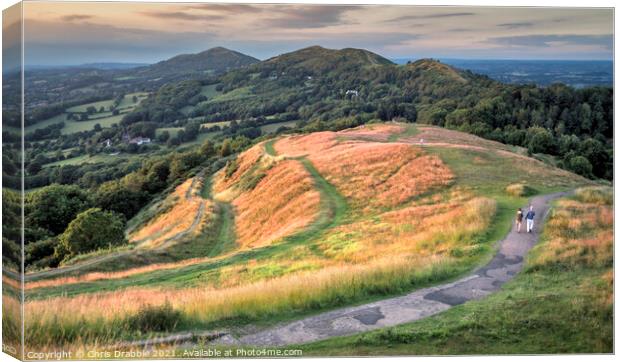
<point>58,33</point>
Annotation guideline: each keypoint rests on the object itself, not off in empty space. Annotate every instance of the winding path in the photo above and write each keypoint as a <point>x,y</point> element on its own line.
<point>420,304</point>
<point>100,259</point>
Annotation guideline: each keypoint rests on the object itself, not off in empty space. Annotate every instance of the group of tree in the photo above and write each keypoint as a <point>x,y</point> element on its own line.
<point>64,220</point>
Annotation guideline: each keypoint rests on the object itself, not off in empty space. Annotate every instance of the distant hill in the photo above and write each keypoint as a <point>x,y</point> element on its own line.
<point>111,66</point>
<point>347,87</point>
<point>317,59</point>
<point>215,60</point>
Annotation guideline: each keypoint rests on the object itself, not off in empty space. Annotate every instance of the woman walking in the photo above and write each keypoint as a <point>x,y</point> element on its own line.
<point>519,219</point>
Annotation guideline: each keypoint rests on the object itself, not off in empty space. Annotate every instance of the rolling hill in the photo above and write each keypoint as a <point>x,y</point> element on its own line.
<point>212,61</point>
<point>335,89</point>
<point>320,220</point>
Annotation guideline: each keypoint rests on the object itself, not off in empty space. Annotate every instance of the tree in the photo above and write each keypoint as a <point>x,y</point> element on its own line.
<point>97,127</point>
<point>226,148</point>
<point>595,152</point>
<point>114,196</point>
<point>34,167</point>
<point>207,149</point>
<point>54,206</point>
<point>581,166</point>
<point>540,140</point>
<point>163,137</point>
<point>156,177</point>
<point>91,230</point>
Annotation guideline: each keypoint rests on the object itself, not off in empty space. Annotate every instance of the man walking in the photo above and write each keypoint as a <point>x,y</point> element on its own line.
<point>530,219</point>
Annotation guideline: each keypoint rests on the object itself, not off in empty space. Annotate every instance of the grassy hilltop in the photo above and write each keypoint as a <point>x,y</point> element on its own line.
<point>299,224</point>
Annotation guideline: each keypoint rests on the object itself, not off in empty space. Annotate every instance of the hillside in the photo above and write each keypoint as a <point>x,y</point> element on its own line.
<point>319,220</point>
<point>318,60</point>
<point>215,60</point>
<point>561,303</point>
<point>328,89</point>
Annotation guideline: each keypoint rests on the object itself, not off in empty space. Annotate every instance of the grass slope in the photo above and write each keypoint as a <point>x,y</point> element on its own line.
<point>310,271</point>
<point>562,303</point>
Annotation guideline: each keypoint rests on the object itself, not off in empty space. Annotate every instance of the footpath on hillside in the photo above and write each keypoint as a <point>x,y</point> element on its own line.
<point>106,257</point>
<point>417,305</point>
<point>423,303</point>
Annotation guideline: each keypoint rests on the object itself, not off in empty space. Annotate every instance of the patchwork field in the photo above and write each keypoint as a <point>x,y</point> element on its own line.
<point>104,119</point>
<point>295,225</point>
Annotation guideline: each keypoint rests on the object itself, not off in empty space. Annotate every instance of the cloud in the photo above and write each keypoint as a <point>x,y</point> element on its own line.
<point>227,8</point>
<point>551,40</point>
<point>74,43</point>
<point>179,15</point>
<point>76,17</point>
<point>305,17</point>
<point>461,30</point>
<point>429,16</point>
<point>516,25</point>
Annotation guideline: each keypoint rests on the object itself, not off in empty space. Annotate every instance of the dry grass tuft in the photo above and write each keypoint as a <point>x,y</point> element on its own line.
<point>283,202</point>
<point>579,232</point>
<point>519,190</point>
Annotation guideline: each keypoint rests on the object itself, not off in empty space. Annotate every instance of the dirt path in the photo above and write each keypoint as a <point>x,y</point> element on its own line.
<point>100,259</point>
<point>417,305</point>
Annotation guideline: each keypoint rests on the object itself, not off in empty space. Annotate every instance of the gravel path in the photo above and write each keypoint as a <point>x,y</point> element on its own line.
<point>417,305</point>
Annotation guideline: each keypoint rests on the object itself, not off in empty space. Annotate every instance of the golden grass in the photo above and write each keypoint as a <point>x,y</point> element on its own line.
<point>413,242</point>
<point>267,297</point>
<point>303,145</point>
<point>369,174</point>
<point>580,232</point>
<point>597,195</point>
<point>175,220</point>
<point>402,228</point>
<point>380,174</point>
<point>11,321</point>
<point>517,190</point>
<point>10,281</point>
<point>417,230</point>
<point>94,276</point>
<point>244,162</point>
<point>283,202</point>
<point>380,132</point>
<point>432,134</point>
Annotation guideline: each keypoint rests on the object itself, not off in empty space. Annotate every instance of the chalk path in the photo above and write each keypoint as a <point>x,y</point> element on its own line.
<point>414,306</point>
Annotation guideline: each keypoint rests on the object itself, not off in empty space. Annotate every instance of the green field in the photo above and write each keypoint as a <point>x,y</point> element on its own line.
<point>98,158</point>
<point>172,130</point>
<point>104,119</point>
<point>210,91</point>
<point>271,128</point>
<point>235,94</point>
<point>82,107</point>
<point>127,101</point>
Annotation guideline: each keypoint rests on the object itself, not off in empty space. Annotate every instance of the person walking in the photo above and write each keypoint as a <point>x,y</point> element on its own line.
<point>519,219</point>
<point>530,219</point>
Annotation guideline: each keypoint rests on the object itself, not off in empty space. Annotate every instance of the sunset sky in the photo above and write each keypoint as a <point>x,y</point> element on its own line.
<point>75,33</point>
